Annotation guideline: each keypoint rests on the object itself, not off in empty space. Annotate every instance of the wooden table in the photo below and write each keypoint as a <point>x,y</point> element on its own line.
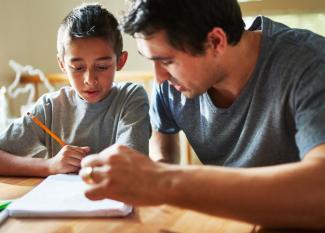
<point>160,219</point>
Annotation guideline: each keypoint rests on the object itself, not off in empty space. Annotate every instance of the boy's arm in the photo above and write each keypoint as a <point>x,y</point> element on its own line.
<point>67,160</point>
<point>290,195</point>
<point>164,147</point>
<point>13,165</point>
<point>133,128</point>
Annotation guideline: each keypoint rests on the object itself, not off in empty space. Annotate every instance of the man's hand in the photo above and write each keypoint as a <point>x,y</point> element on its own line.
<point>123,174</point>
<point>67,160</point>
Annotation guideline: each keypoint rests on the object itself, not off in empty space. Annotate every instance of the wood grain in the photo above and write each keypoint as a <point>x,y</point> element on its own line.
<point>160,219</point>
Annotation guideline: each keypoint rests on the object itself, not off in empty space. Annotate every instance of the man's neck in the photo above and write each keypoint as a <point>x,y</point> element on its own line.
<point>239,64</point>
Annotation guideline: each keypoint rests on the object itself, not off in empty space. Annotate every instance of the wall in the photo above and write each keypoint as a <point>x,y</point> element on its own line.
<point>28,28</point>
<point>28,34</point>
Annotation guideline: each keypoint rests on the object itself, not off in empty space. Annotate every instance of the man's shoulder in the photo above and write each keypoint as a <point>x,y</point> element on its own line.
<point>287,53</point>
<point>300,40</point>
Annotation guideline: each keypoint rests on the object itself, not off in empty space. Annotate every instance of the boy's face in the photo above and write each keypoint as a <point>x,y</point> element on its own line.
<point>90,64</point>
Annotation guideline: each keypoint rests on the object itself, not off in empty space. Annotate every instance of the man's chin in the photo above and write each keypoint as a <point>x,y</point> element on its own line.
<point>189,95</point>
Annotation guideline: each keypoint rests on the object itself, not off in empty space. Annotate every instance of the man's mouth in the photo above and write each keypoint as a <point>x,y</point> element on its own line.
<point>178,87</point>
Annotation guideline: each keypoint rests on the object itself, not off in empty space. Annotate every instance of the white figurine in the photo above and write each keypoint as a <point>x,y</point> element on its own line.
<point>14,90</point>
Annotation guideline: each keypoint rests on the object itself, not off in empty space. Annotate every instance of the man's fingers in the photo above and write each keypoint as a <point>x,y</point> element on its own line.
<point>93,160</point>
<point>93,175</point>
<point>97,192</point>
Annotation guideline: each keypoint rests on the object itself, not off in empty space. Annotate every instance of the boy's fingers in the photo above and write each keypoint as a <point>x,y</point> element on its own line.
<point>73,154</point>
<point>86,149</point>
<point>72,168</point>
<point>73,161</point>
<point>79,150</point>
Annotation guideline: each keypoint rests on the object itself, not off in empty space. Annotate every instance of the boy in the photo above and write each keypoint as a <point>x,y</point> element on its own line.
<point>89,116</point>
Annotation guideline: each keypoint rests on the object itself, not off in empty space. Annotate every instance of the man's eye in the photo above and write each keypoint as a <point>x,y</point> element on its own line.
<point>166,62</point>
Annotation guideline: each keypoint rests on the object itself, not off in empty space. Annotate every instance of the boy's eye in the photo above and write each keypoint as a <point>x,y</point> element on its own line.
<point>76,68</point>
<point>102,67</point>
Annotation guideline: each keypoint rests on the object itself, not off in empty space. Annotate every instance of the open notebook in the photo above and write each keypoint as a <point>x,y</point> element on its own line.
<point>63,196</point>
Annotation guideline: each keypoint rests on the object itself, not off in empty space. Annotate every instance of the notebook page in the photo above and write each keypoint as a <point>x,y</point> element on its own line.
<point>63,196</point>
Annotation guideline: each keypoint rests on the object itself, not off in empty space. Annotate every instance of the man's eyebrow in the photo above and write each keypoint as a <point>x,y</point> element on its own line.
<point>155,58</point>
<point>75,59</point>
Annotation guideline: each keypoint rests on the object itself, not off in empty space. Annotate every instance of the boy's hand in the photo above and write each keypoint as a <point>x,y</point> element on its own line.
<point>67,160</point>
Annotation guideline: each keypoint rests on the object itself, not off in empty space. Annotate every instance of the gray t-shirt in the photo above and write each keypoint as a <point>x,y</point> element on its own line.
<point>278,116</point>
<point>122,117</point>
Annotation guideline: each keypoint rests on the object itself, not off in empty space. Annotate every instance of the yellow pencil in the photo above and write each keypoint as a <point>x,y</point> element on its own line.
<point>47,130</point>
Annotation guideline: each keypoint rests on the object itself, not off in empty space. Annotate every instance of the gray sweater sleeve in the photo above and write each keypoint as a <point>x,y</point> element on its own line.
<point>134,126</point>
<point>23,137</point>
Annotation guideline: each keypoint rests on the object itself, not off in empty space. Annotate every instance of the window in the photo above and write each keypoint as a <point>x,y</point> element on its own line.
<point>307,14</point>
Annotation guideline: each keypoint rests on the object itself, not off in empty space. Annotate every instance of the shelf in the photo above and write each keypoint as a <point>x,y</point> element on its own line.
<point>273,7</point>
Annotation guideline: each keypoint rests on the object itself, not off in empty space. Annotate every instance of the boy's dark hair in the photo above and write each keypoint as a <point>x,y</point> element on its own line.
<point>90,20</point>
<point>186,22</point>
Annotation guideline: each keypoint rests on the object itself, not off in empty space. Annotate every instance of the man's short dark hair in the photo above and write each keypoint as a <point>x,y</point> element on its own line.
<point>90,20</point>
<point>186,22</point>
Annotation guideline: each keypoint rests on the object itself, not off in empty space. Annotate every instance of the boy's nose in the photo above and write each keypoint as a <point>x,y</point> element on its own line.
<point>161,74</point>
<point>90,78</point>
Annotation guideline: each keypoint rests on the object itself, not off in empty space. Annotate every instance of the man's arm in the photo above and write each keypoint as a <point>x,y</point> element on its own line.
<point>290,195</point>
<point>164,147</point>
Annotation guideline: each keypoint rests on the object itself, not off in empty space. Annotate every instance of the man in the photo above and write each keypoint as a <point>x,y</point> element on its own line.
<point>244,98</point>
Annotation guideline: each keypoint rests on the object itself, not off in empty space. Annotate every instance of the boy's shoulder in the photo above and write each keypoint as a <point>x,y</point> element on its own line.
<point>63,93</point>
<point>128,88</point>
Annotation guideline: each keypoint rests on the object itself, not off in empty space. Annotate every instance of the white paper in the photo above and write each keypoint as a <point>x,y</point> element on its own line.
<point>3,215</point>
<point>63,196</point>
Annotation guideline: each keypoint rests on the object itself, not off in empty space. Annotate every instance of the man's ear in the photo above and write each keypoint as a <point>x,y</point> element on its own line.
<point>122,60</point>
<point>217,40</point>
<point>61,63</point>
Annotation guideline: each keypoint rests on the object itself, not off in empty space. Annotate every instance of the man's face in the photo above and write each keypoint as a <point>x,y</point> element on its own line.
<point>189,74</point>
<point>90,64</point>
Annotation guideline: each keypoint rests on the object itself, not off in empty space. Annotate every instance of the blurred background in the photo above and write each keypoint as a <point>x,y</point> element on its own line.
<point>28,33</point>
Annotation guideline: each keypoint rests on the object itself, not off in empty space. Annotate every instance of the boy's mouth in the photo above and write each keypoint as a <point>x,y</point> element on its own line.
<point>91,93</point>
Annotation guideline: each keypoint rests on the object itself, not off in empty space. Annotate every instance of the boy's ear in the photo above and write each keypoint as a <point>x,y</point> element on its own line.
<point>122,60</point>
<point>61,63</point>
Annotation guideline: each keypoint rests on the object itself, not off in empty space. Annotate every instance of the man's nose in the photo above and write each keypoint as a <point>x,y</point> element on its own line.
<point>161,74</point>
